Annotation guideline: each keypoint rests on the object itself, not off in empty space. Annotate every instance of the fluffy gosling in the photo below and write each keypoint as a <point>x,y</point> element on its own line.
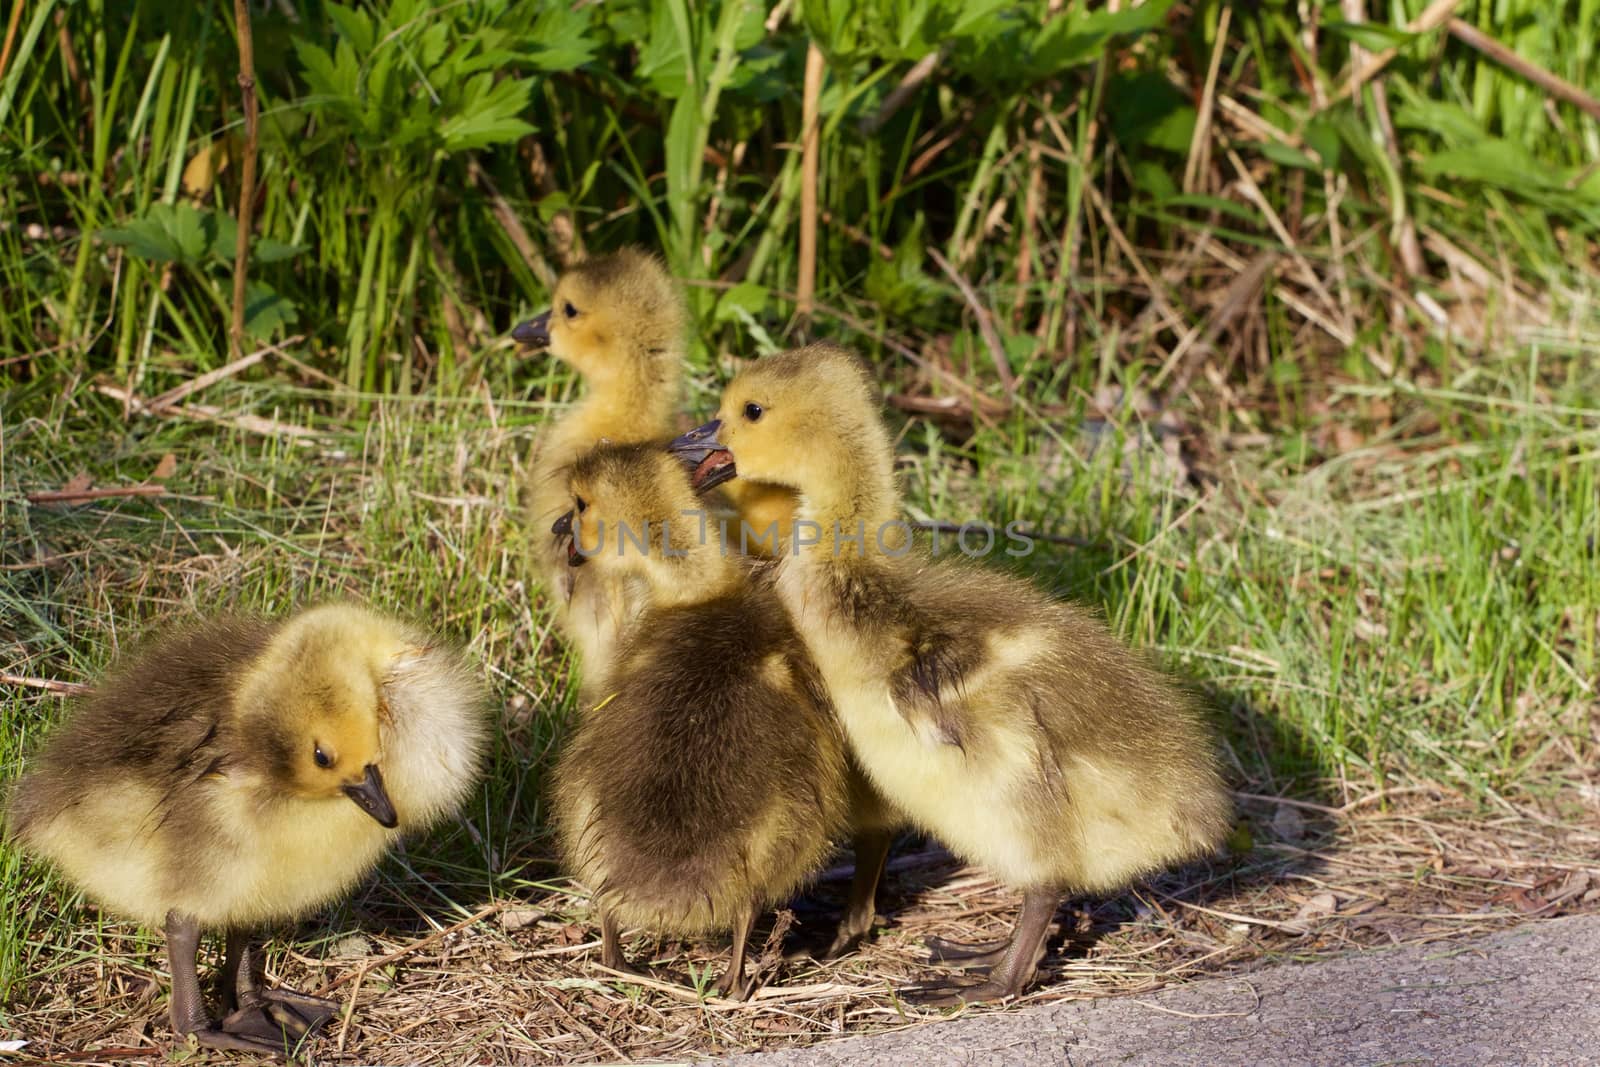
<point>708,779</point>
<point>244,771</point>
<point>1014,728</point>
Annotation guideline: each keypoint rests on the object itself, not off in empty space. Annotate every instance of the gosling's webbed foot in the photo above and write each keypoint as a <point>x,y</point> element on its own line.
<point>622,966</point>
<point>278,1029</point>
<point>734,983</point>
<point>217,1038</point>
<point>297,1009</point>
<point>968,954</point>
<point>1013,962</point>
<point>955,994</point>
<point>274,1020</point>
<point>844,942</point>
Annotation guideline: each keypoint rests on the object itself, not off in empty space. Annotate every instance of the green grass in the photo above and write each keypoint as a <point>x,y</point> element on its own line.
<point>1372,541</point>
<point>391,170</point>
<point>1421,606</point>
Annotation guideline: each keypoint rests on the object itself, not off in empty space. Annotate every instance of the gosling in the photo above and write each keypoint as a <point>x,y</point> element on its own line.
<point>1014,728</point>
<point>244,771</point>
<point>708,780</point>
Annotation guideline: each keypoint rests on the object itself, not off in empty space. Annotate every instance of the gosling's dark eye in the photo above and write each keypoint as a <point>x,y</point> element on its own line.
<point>753,412</point>
<point>323,759</point>
<point>583,505</point>
<point>570,311</point>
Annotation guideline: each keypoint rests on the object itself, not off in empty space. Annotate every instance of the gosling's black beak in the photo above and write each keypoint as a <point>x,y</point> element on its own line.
<point>710,459</point>
<point>697,444</point>
<point>563,529</point>
<point>370,797</point>
<point>535,333</point>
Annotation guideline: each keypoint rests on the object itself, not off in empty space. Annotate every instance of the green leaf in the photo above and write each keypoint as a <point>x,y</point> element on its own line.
<point>663,61</point>
<point>553,204</point>
<point>560,38</point>
<point>1494,162</point>
<point>836,26</point>
<point>1373,36</point>
<point>746,296</point>
<point>899,284</point>
<point>1450,121</point>
<point>1067,41</point>
<point>354,26</point>
<point>1588,187</point>
<point>153,247</point>
<point>1213,203</point>
<point>490,114</point>
<point>1323,139</point>
<point>432,45</point>
<point>265,312</point>
<point>318,69</point>
<point>168,233</point>
<point>225,238</point>
<point>1154,179</point>
<point>973,16</point>
<point>1151,112</point>
<point>1284,155</point>
<point>267,250</point>
<point>680,147</point>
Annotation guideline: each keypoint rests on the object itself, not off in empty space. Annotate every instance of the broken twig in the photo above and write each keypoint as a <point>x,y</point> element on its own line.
<point>1559,88</point>
<point>49,685</point>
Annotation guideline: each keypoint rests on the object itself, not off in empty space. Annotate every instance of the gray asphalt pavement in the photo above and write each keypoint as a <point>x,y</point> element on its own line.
<point>1530,995</point>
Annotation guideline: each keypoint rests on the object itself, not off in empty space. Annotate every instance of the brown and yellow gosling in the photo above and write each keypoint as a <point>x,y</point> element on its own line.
<point>242,771</point>
<point>1015,728</point>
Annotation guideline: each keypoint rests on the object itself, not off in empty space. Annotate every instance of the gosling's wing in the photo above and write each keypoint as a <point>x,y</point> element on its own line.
<point>157,724</point>
<point>929,686</point>
<point>955,617</point>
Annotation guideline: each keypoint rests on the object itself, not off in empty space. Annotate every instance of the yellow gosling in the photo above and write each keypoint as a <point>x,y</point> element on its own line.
<point>243,771</point>
<point>1013,727</point>
<point>708,778</point>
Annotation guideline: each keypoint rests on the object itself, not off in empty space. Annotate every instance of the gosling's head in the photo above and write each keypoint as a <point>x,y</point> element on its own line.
<point>633,512</point>
<point>313,709</point>
<point>808,419</point>
<point>615,319</point>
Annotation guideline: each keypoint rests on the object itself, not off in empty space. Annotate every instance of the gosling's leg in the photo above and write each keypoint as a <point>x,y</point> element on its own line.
<point>732,984</point>
<point>188,1008</point>
<point>872,853</point>
<point>611,945</point>
<point>258,1011</point>
<point>1016,966</point>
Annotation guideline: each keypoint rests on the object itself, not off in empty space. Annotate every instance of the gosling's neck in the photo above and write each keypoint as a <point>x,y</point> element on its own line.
<point>704,574</point>
<point>853,517</point>
<point>629,403</point>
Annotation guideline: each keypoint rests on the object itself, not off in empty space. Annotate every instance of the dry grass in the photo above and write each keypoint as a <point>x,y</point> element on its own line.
<point>518,980</point>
